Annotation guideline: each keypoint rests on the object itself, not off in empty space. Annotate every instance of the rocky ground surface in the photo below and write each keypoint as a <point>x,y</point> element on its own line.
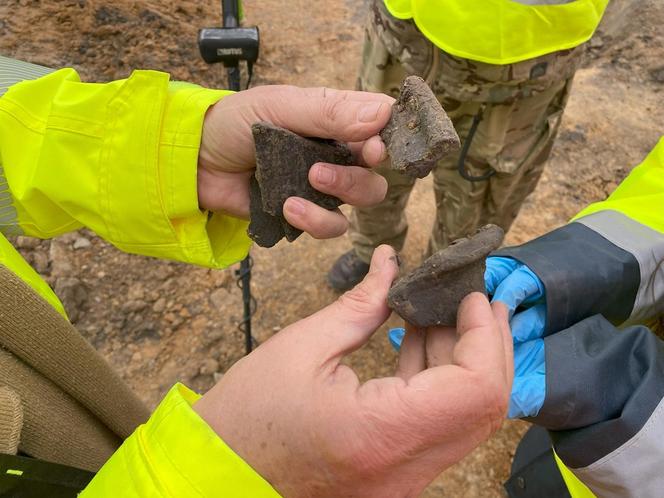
<point>159,322</point>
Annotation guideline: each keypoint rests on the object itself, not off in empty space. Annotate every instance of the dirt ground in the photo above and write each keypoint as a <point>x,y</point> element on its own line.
<point>159,322</point>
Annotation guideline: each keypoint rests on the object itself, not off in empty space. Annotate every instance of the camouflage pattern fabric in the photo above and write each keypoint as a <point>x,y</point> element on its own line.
<point>522,106</point>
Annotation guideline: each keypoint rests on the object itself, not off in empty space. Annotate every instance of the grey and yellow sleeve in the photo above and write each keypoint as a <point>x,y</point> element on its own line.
<point>604,263</point>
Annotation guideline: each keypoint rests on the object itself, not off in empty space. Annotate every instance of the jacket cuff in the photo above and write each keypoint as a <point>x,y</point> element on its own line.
<point>602,387</point>
<point>583,274</point>
<point>177,454</point>
<point>208,239</point>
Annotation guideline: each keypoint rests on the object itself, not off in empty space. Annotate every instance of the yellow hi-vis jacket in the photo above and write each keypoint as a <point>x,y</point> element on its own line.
<point>502,31</point>
<point>121,159</point>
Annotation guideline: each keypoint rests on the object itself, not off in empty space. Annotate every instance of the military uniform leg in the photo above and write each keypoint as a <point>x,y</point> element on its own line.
<point>515,139</point>
<point>388,44</point>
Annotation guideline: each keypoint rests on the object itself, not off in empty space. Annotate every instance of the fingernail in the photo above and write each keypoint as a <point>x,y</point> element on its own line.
<point>383,152</point>
<point>325,175</point>
<point>369,112</point>
<point>295,206</point>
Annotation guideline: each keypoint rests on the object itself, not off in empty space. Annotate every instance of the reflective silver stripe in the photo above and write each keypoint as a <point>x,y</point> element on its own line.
<point>635,469</point>
<point>8,216</point>
<point>647,246</point>
<point>13,71</point>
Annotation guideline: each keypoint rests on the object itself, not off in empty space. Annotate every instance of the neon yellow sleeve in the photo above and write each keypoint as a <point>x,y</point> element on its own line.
<point>176,454</point>
<point>119,158</point>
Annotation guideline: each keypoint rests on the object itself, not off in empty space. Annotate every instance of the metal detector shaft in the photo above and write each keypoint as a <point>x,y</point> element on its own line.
<point>230,13</point>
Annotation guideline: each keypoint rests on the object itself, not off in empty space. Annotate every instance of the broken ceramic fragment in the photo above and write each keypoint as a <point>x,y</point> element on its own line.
<point>283,161</point>
<point>419,132</point>
<point>431,294</point>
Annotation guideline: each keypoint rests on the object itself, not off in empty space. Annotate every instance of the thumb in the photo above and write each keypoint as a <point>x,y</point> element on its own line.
<point>349,322</point>
<point>346,116</point>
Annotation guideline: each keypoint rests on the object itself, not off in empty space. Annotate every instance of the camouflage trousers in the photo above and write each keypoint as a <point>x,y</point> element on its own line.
<point>521,105</point>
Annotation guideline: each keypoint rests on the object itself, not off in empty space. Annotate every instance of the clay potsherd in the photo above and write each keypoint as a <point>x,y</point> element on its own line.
<point>283,161</point>
<point>419,133</point>
<point>431,294</point>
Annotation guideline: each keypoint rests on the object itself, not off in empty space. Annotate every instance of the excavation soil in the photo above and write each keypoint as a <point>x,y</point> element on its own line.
<point>159,322</point>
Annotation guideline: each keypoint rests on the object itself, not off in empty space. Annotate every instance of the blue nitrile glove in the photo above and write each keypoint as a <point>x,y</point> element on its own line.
<point>529,387</point>
<point>516,285</point>
<point>512,283</point>
<point>396,337</point>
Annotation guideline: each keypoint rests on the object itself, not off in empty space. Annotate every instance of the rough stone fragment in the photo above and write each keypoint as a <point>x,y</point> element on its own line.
<point>419,133</point>
<point>431,294</point>
<point>82,243</point>
<point>264,229</point>
<point>283,160</point>
<point>73,295</point>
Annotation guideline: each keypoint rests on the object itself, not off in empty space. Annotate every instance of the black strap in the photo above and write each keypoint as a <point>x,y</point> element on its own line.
<point>461,165</point>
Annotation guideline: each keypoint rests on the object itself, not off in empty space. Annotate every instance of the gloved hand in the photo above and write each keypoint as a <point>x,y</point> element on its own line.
<point>529,387</point>
<point>518,287</point>
<point>512,283</point>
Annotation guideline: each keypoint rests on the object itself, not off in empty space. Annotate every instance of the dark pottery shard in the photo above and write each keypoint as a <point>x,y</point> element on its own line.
<point>419,133</point>
<point>431,294</point>
<point>264,229</point>
<point>283,160</point>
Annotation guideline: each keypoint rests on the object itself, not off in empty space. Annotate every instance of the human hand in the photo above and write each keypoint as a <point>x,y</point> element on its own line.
<point>304,421</point>
<point>512,283</point>
<point>517,286</point>
<point>227,161</point>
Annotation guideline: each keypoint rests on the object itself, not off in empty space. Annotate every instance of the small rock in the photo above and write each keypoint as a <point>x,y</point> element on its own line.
<point>146,330</point>
<point>217,376</point>
<point>136,357</point>
<point>68,238</point>
<point>658,74</point>
<point>73,294</point>
<point>60,257</point>
<point>596,42</point>
<point>163,271</point>
<point>40,262</point>
<point>214,334</point>
<point>159,306</point>
<point>134,305</point>
<point>136,291</point>
<point>27,242</point>
<point>82,243</point>
<point>219,298</point>
<point>222,278</point>
<point>198,324</point>
<point>209,367</point>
